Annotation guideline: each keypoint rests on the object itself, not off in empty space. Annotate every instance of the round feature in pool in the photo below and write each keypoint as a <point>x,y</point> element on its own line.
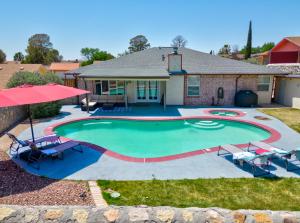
<point>150,139</point>
<point>226,113</point>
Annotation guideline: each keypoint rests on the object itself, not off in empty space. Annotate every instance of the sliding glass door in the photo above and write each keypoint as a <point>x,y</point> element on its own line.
<point>147,91</point>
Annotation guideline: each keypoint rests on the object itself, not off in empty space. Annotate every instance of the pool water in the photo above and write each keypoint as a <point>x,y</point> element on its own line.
<point>147,139</point>
<point>224,113</point>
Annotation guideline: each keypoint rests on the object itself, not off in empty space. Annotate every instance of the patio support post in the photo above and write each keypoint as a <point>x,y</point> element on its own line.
<point>126,101</point>
<point>165,96</point>
<point>87,97</point>
<point>30,120</point>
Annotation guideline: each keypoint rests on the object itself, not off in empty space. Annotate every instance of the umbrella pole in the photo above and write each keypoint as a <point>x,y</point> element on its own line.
<point>30,120</point>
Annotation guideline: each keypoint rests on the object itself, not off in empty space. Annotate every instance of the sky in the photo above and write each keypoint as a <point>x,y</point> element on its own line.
<point>108,25</point>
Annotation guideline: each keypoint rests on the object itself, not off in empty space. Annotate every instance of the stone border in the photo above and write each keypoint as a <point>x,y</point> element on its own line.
<point>275,135</point>
<point>84,214</point>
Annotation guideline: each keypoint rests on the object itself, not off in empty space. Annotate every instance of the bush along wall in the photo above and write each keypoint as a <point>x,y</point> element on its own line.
<point>42,110</point>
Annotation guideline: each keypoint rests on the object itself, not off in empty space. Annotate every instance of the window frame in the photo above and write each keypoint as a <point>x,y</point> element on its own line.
<point>195,85</point>
<point>119,88</point>
<point>261,82</point>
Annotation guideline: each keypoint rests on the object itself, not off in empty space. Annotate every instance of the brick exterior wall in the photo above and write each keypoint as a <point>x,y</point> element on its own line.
<point>209,85</point>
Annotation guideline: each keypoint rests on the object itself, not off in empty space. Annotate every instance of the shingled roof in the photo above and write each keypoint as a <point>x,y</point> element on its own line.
<point>150,63</point>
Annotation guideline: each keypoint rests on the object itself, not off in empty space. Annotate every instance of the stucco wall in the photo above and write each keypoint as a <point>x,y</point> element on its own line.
<point>288,92</point>
<point>209,85</point>
<point>175,90</point>
<point>10,116</point>
<point>264,97</point>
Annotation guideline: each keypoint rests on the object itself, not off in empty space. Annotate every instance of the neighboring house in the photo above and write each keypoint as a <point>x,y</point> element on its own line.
<point>9,68</point>
<point>286,51</point>
<point>61,68</point>
<point>286,56</point>
<point>262,58</point>
<point>183,77</point>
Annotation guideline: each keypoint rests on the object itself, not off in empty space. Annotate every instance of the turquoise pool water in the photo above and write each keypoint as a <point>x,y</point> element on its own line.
<point>145,139</point>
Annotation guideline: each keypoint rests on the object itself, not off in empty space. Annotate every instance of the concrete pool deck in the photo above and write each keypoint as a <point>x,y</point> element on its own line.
<point>93,165</point>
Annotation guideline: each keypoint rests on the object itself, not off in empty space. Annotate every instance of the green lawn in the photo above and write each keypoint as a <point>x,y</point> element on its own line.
<point>241,193</point>
<point>289,116</point>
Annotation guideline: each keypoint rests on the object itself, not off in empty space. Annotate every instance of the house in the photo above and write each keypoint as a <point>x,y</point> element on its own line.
<point>9,68</point>
<point>286,51</point>
<point>176,77</point>
<point>61,68</point>
<point>286,56</point>
<point>262,58</point>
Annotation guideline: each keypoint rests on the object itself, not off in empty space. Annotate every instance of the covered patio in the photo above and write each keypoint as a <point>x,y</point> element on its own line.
<point>125,91</point>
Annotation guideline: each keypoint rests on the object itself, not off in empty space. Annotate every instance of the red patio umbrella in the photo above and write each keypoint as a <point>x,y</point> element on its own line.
<point>35,94</point>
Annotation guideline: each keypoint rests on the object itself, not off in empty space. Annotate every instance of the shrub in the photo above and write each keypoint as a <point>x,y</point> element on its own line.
<point>42,110</point>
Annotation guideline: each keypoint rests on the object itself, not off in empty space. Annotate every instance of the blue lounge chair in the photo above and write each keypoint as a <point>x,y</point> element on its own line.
<point>37,154</point>
<point>16,143</point>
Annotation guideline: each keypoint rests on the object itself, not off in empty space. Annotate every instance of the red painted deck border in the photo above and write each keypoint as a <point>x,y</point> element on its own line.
<point>275,135</point>
<point>239,113</point>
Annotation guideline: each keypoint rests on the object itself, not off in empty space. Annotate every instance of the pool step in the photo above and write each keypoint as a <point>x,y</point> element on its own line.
<point>206,124</point>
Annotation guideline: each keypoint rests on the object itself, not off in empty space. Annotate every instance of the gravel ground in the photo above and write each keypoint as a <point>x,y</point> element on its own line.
<point>21,188</point>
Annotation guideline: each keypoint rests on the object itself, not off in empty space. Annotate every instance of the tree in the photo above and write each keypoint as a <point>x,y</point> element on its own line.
<point>248,49</point>
<point>138,43</point>
<point>19,56</point>
<point>39,50</point>
<point>179,41</point>
<point>102,56</point>
<point>259,49</point>
<point>88,52</point>
<point>267,46</point>
<point>92,54</point>
<point>225,50</point>
<point>2,56</point>
<point>41,110</point>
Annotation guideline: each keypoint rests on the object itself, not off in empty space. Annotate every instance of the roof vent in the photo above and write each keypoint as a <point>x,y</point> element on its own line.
<point>1,68</point>
<point>21,68</point>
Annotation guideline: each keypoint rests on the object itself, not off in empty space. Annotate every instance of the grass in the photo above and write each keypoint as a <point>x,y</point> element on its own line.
<point>239,193</point>
<point>290,116</point>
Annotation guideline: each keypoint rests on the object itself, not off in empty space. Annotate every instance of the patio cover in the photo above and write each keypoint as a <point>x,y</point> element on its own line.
<point>34,94</point>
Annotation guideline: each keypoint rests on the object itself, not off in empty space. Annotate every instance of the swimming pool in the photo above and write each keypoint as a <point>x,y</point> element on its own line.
<point>161,138</point>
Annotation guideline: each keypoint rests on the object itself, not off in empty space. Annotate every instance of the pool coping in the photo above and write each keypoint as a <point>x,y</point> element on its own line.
<point>275,136</point>
<point>239,113</point>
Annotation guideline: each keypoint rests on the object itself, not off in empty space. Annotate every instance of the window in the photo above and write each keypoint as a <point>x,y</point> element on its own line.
<point>105,87</point>
<point>193,85</point>
<point>98,87</point>
<point>121,87</point>
<point>153,90</point>
<point>263,83</point>
<point>110,87</point>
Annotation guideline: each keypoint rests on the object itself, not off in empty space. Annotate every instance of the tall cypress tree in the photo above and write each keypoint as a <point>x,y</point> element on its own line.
<point>249,42</point>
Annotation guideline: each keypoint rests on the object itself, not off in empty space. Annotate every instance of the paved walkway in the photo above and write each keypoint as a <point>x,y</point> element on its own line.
<point>93,165</point>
